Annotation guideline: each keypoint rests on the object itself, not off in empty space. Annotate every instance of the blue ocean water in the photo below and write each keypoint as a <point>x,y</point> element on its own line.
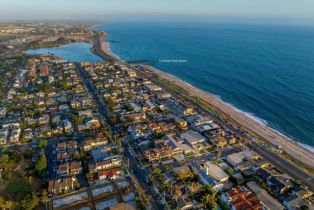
<point>264,70</point>
<point>75,52</point>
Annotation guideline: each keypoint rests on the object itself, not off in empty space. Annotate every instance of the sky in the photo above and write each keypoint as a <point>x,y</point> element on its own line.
<point>268,10</point>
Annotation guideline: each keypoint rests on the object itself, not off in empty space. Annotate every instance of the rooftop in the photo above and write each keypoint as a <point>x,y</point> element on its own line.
<point>193,137</point>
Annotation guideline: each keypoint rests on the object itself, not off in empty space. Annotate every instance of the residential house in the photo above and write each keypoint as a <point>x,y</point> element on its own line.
<point>215,172</point>
<point>210,177</point>
<point>111,173</point>
<point>184,203</point>
<point>193,138</point>
<point>279,184</point>
<point>90,143</point>
<point>268,201</point>
<point>240,198</point>
<point>163,149</point>
<point>4,133</point>
<point>237,158</point>
<point>294,202</point>
<point>70,168</point>
<point>58,186</point>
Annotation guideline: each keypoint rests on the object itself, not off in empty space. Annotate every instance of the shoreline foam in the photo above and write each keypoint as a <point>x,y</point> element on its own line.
<point>265,123</point>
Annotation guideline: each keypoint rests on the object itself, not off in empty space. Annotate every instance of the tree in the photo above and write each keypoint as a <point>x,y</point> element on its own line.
<point>209,197</point>
<point>30,203</point>
<point>210,200</point>
<point>140,203</point>
<point>7,165</point>
<point>176,192</point>
<point>63,85</point>
<point>165,186</point>
<point>140,198</point>
<point>113,118</point>
<point>44,197</point>
<point>219,154</point>
<point>157,175</point>
<point>23,125</point>
<point>28,154</point>
<point>119,143</point>
<point>4,204</point>
<point>110,104</point>
<point>76,119</point>
<point>18,188</point>
<point>168,168</point>
<point>229,171</point>
<point>41,164</point>
<point>194,187</point>
<point>304,207</point>
<point>183,176</point>
<point>42,143</point>
<point>206,188</point>
<point>54,125</point>
<point>297,181</point>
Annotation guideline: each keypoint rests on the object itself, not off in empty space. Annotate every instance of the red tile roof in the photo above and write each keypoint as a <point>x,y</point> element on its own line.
<point>110,172</point>
<point>243,199</point>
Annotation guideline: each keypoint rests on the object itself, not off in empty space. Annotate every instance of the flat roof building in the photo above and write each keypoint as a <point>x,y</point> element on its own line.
<point>215,172</point>
<point>237,158</point>
<point>192,137</point>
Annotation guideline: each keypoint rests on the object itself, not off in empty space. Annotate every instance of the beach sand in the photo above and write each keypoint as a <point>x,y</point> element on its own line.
<point>276,138</point>
<point>105,47</point>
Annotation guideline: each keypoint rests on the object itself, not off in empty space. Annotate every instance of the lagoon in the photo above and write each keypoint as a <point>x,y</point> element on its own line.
<point>75,52</point>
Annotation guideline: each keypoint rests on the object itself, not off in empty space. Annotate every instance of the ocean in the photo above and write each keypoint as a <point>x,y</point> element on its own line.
<point>267,71</point>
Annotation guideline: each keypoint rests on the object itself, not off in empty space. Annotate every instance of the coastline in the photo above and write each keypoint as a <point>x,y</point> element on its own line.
<point>105,46</point>
<point>265,123</point>
<point>302,153</point>
<point>271,135</point>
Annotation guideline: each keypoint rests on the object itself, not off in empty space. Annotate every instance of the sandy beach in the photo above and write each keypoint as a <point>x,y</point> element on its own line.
<point>105,47</point>
<point>286,144</point>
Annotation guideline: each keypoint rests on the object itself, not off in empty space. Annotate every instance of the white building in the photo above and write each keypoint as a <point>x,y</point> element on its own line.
<point>215,172</point>
<point>237,158</point>
<point>193,138</point>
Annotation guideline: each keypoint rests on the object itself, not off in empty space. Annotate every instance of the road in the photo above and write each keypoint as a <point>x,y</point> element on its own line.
<point>92,90</point>
<point>284,165</point>
<point>141,175</point>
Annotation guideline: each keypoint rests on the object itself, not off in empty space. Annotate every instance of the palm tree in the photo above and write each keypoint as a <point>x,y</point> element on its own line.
<point>176,193</point>
<point>194,187</point>
<point>210,200</point>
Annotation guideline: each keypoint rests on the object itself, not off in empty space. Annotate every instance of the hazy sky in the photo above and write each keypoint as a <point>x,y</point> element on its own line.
<point>288,10</point>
